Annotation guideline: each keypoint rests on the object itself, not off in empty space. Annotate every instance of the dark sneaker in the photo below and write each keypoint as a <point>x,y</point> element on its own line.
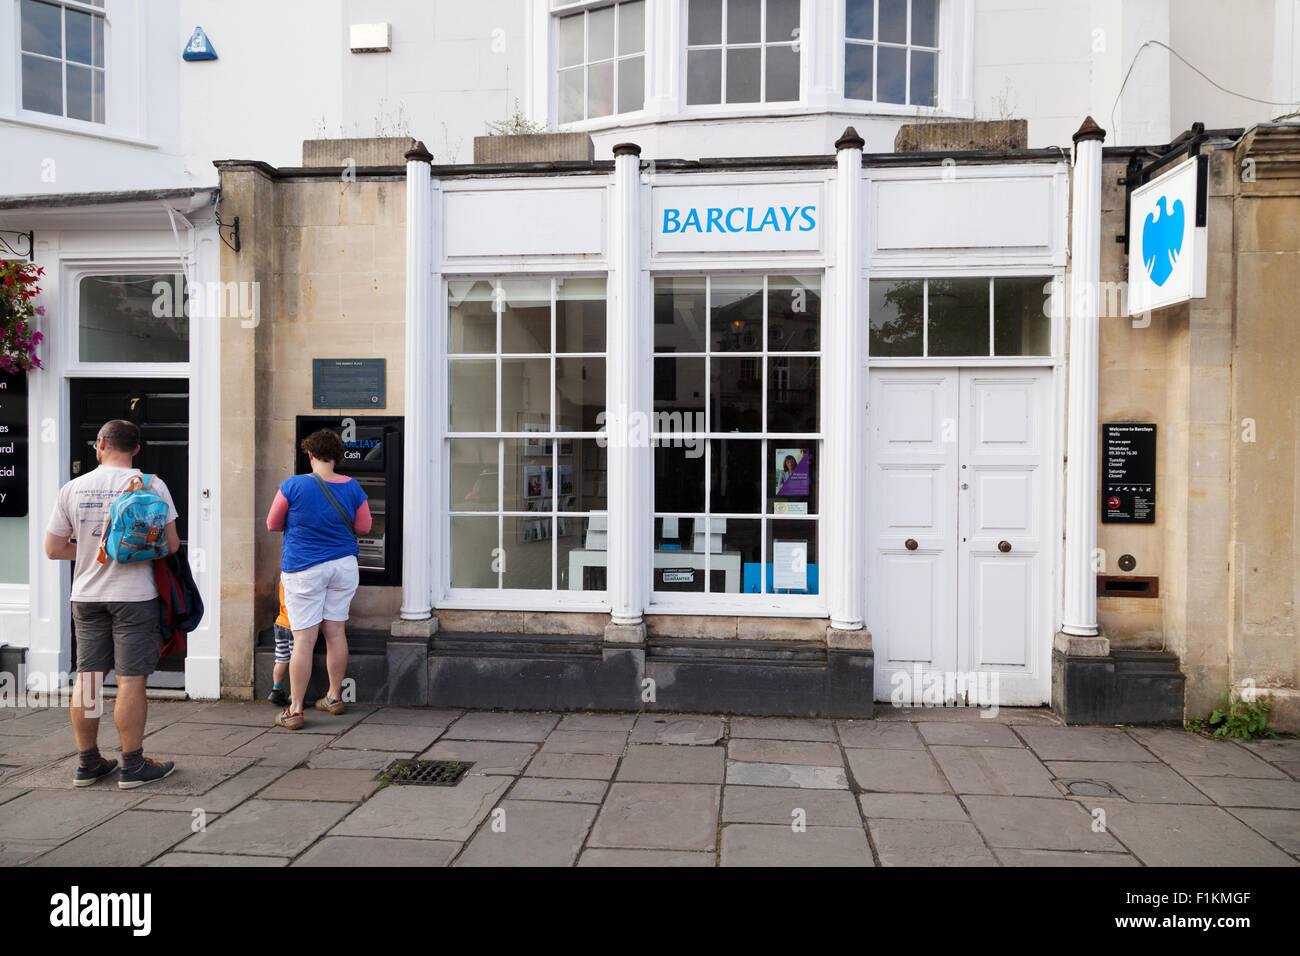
<point>88,775</point>
<point>278,697</point>
<point>149,771</point>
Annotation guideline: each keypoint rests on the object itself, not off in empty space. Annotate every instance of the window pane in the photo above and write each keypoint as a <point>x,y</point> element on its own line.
<point>923,92</point>
<point>892,75</point>
<point>794,543</point>
<point>41,28</point>
<point>679,314</point>
<point>80,104</point>
<point>570,40</point>
<point>858,19</point>
<point>471,317</point>
<point>525,316</point>
<point>631,84</point>
<point>527,543</point>
<point>473,547</point>
<point>743,75</point>
<point>42,85</point>
<point>579,393</point>
<point>473,474</point>
<point>98,94</point>
<point>78,37</point>
<point>782,74</point>
<point>97,41</point>
<point>893,21</point>
<point>792,477</point>
<point>743,23</point>
<point>782,20</point>
<point>679,478</point>
<point>580,315</point>
<point>924,22</point>
<point>1022,322</point>
<point>631,27</point>
<point>793,391</point>
<point>896,316</point>
<point>525,393</point>
<point>600,34</point>
<point>600,89</point>
<point>472,396</point>
<point>704,22</point>
<point>679,394</point>
<point>581,568</point>
<point>736,477</point>
<point>794,313</point>
<point>959,317</point>
<point>138,318</point>
<point>736,544</point>
<point>736,324</point>
<point>677,565</point>
<point>858,61</point>
<point>593,475</point>
<point>703,77</point>
<point>528,478</point>
<point>571,94</point>
<point>735,390</point>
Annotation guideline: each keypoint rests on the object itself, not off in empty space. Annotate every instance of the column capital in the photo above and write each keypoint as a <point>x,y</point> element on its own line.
<point>418,153</point>
<point>849,139</point>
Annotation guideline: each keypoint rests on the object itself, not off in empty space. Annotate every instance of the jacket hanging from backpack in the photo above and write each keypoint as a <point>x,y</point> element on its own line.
<point>180,604</point>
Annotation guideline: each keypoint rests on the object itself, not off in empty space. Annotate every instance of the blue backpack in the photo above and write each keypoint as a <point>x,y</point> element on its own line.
<point>136,529</point>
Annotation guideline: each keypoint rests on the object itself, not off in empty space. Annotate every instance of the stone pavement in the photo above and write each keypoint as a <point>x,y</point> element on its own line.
<point>913,787</point>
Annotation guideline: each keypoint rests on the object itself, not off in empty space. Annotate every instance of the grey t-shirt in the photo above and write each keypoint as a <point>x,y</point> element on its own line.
<point>81,510</point>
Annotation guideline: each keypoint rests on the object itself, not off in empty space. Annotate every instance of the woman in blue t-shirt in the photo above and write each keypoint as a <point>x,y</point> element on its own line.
<point>321,514</point>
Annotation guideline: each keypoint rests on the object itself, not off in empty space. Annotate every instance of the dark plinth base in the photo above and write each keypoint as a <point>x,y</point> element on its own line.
<point>1125,687</point>
<point>11,662</point>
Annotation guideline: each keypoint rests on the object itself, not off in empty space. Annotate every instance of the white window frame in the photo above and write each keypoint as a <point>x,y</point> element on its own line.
<point>908,47</point>
<point>762,45</point>
<point>551,33</point>
<point>72,274</point>
<point>78,7</point>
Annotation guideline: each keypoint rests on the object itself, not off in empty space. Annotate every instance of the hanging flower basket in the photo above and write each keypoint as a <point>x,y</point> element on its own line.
<point>18,312</point>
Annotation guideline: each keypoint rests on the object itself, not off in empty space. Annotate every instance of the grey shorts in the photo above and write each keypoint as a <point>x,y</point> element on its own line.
<point>121,636</point>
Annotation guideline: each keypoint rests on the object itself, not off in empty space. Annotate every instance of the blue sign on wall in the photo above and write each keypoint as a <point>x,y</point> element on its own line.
<point>199,47</point>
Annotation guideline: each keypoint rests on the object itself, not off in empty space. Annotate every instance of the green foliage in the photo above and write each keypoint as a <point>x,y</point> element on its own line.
<point>1236,717</point>
<point>516,124</point>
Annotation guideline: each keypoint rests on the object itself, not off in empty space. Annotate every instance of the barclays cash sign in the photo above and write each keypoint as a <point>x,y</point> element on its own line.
<point>741,218</point>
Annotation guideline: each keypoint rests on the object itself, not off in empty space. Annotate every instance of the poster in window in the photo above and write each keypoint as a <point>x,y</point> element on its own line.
<point>790,565</point>
<point>793,481</point>
<point>536,446</point>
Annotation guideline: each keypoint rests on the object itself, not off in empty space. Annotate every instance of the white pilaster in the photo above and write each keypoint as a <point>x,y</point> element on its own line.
<point>664,45</point>
<point>418,436</point>
<point>628,358</point>
<point>843,412</point>
<point>1082,455</point>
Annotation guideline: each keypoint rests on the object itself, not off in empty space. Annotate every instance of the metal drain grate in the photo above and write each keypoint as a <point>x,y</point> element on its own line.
<point>425,773</point>
<point>1088,788</point>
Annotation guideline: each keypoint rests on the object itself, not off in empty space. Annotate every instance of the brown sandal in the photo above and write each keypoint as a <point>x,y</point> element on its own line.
<point>289,721</point>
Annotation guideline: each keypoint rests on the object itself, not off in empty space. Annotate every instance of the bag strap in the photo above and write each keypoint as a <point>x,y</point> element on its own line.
<point>337,507</point>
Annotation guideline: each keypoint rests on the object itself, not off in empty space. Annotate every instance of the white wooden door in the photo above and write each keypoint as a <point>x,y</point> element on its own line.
<point>960,571</point>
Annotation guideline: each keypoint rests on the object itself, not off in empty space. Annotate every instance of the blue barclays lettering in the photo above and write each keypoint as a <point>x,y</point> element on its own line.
<point>715,217</point>
<point>804,214</point>
<point>730,213</point>
<point>769,216</point>
<point>740,219</point>
<point>672,216</point>
<point>692,219</point>
<point>789,215</point>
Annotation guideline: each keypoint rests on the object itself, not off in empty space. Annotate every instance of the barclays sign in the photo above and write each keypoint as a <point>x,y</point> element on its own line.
<point>740,219</point>
<point>755,218</point>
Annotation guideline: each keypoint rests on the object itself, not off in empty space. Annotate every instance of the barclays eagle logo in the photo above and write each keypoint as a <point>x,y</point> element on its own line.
<point>1162,240</point>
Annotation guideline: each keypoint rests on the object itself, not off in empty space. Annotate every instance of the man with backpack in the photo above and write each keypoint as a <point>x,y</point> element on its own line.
<point>115,604</point>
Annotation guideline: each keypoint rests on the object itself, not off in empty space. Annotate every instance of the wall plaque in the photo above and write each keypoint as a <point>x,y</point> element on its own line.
<point>13,444</point>
<point>1128,473</point>
<point>348,383</point>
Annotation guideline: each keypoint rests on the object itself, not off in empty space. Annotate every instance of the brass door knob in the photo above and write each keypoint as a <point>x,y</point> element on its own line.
<point>1004,546</point>
<point>910,544</point>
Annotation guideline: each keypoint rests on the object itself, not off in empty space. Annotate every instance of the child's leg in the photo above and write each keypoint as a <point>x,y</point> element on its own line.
<point>283,651</point>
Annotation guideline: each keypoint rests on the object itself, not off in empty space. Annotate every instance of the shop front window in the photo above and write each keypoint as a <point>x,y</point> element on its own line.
<point>742,51</point>
<point>891,51</point>
<point>735,434</point>
<point>600,61</point>
<point>528,476</point>
<point>62,49</point>
<point>961,317</point>
<point>133,318</point>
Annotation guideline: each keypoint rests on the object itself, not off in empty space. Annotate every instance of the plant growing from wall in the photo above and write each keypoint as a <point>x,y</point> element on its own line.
<point>516,124</point>
<point>1235,717</point>
<point>18,313</point>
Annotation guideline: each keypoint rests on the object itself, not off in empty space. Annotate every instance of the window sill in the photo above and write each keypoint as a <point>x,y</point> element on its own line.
<point>791,110</point>
<point>58,124</point>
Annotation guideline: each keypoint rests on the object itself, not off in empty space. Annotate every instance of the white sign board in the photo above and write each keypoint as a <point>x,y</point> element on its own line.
<point>524,222</point>
<point>1166,249</point>
<point>742,218</point>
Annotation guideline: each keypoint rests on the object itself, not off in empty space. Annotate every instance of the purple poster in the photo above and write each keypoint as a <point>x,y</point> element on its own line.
<point>793,472</point>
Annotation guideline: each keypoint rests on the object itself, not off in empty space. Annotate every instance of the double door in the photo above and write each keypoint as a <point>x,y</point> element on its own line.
<point>960,569</point>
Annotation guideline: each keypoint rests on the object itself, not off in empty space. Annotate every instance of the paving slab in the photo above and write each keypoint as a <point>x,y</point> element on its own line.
<point>912,806</point>
<point>48,817</point>
<point>221,798</point>
<point>1280,826</point>
<point>341,786</point>
<point>1193,755</point>
<point>782,728</point>
<point>503,726</point>
<point>686,729</point>
<point>585,742</point>
<point>607,722</point>
<point>1016,716</point>
<point>786,775</point>
<point>332,758</point>
<point>1011,857</point>
<point>1036,823</point>
<point>896,771</point>
<point>131,838</point>
<point>1144,782</point>
<point>16,853</point>
<point>756,844</point>
<point>658,816</point>
<point>426,813</point>
<point>287,749</point>
<point>929,843</point>
<point>779,805</point>
<point>1166,835</point>
<point>808,752</point>
<point>983,733</point>
<point>555,789</point>
<point>378,851</point>
<point>193,775</point>
<point>39,721</point>
<point>218,859</point>
<point>213,740</point>
<point>56,743</point>
<point>415,716</point>
<point>655,858</point>
<point>268,828</point>
<point>573,766</point>
<point>1250,792</point>
<point>368,736</point>
<point>261,713</point>
<point>486,755</point>
<point>531,833</point>
<point>1274,751</point>
<point>883,734</point>
<point>1107,744</point>
<point>672,763</point>
<point>1290,766</point>
<point>1000,770</point>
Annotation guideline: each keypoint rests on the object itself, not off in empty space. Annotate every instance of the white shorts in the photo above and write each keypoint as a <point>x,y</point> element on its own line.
<point>322,592</point>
